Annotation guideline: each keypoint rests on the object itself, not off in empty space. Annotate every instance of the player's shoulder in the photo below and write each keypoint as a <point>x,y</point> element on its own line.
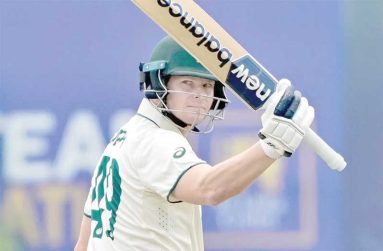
<point>145,127</point>
<point>141,134</point>
<point>162,138</point>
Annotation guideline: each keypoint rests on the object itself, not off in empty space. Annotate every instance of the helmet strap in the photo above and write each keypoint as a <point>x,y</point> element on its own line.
<point>177,121</point>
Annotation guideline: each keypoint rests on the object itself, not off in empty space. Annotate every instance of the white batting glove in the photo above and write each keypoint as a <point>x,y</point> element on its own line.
<point>285,121</point>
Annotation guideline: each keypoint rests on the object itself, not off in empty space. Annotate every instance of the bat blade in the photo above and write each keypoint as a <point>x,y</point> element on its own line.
<point>224,57</point>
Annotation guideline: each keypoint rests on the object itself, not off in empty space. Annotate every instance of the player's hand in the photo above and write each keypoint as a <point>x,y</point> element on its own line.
<point>285,121</point>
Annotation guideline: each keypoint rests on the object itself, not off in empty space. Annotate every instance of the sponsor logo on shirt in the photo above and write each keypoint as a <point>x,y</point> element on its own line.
<point>180,151</point>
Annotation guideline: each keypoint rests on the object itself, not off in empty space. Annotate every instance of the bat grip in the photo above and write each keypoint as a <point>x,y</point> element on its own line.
<point>333,159</point>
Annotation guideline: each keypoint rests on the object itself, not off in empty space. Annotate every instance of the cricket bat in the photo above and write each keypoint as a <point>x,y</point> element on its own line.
<point>223,56</point>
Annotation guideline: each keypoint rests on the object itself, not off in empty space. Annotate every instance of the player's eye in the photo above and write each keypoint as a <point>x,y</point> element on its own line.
<point>208,85</point>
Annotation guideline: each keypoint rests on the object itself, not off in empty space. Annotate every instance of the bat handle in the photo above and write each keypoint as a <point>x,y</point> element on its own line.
<point>333,159</point>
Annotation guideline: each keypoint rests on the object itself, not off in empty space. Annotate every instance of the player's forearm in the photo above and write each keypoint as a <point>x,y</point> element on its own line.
<point>83,239</point>
<point>233,175</point>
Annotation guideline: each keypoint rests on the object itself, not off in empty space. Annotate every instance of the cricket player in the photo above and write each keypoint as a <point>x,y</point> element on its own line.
<point>148,188</point>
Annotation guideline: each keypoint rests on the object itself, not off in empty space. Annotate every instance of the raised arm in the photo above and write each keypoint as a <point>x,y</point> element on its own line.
<point>285,121</point>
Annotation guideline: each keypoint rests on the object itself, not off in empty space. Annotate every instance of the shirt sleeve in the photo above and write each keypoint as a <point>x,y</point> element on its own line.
<point>88,205</point>
<point>168,157</point>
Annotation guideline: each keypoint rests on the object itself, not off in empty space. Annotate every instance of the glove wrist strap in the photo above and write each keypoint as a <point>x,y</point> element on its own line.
<point>269,150</point>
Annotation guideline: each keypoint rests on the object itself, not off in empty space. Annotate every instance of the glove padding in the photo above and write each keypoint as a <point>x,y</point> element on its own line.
<point>285,121</point>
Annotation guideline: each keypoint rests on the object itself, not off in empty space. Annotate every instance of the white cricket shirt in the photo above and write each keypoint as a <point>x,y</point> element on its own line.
<point>130,200</point>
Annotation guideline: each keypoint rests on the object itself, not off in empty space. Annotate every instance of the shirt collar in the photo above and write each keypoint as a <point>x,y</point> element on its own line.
<point>150,112</point>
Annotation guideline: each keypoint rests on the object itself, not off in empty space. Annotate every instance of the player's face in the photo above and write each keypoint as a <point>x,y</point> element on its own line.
<point>193,99</point>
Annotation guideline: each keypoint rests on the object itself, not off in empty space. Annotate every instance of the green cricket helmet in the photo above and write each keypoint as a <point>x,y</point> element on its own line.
<point>170,59</point>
